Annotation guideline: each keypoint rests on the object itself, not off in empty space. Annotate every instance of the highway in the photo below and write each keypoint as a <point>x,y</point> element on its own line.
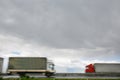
<point>88,75</point>
<point>70,75</point>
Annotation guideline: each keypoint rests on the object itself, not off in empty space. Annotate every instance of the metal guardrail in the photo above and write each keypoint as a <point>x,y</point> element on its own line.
<point>74,75</point>
<point>89,74</point>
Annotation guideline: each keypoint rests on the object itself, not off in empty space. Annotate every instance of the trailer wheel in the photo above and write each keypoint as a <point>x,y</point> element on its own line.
<point>21,74</point>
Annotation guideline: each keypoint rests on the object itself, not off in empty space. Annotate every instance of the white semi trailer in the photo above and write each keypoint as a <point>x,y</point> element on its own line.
<point>24,65</point>
<point>107,67</point>
<point>103,68</point>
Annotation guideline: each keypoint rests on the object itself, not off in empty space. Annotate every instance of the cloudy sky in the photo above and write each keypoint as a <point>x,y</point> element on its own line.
<point>72,33</point>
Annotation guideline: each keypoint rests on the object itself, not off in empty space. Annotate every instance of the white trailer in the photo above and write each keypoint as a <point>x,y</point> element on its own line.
<point>107,67</point>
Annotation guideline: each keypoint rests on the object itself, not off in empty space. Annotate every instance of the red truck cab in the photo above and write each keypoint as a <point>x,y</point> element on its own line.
<point>90,68</point>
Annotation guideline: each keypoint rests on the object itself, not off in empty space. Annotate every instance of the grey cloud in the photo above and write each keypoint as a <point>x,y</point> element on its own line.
<point>63,23</point>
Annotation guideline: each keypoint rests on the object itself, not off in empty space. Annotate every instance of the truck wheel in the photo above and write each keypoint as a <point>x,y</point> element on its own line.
<point>48,74</point>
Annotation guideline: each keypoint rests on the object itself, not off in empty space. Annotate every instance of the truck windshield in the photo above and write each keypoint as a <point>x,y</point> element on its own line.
<point>51,66</point>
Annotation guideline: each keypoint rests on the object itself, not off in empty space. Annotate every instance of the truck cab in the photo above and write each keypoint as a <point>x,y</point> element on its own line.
<point>90,68</point>
<point>50,65</point>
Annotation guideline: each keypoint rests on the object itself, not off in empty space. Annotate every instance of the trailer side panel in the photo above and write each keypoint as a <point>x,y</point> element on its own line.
<point>107,67</point>
<point>27,63</point>
<point>1,64</point>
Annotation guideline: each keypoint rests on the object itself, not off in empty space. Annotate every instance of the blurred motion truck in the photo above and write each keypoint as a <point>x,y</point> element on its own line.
<point>103,68</point>
<point>24,65</point>
<point>1,65</point>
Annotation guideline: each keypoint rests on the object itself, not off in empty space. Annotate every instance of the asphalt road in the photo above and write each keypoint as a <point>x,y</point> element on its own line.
<point>66,75</point>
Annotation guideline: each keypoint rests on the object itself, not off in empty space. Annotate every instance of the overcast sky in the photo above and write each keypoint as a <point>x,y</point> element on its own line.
<point>73,33</point>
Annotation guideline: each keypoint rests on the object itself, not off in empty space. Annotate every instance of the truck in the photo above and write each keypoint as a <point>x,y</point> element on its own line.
<point>24,65</point>
<point>103,68</point>
<point>1,64</point>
